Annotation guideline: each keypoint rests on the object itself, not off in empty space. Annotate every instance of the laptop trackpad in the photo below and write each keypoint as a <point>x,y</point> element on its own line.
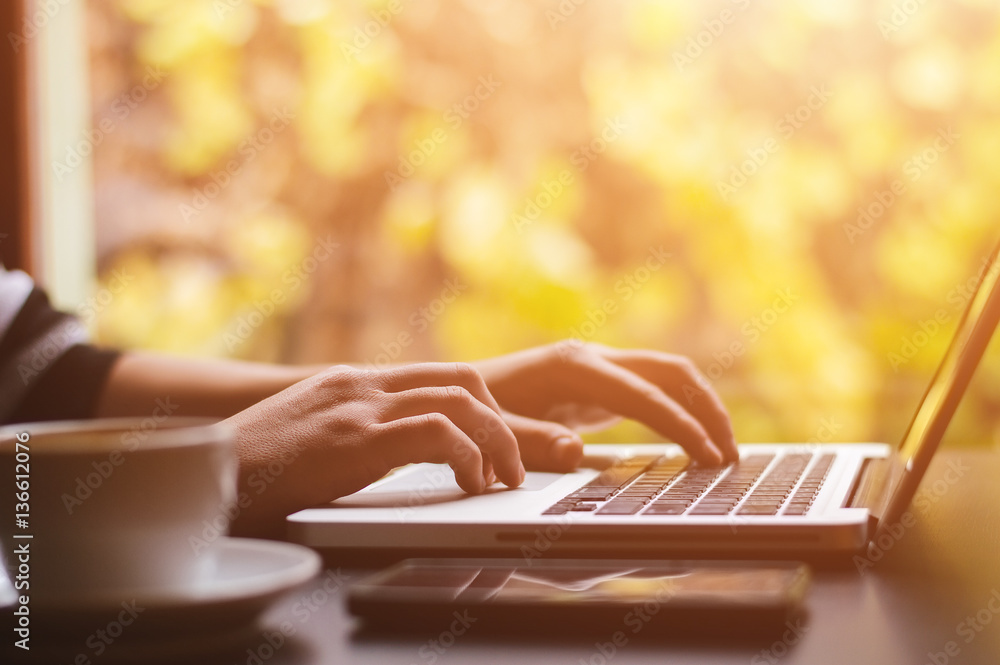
<point>426,484</point>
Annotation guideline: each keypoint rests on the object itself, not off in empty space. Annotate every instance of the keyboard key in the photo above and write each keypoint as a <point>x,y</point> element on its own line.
<point>634,499</point>
<point>661,502</point>
<point>710,510</point>
<point>621,474</point>
<point>758,510</point>
<point>807,491</point>
<point>621,508</point>
<point>775,487</point>
<point>670,486</point>
<point>592,494</point>
<point>733,486</point>
<point>673,486</point>
<point>607,483</point>
<point>664,510</point>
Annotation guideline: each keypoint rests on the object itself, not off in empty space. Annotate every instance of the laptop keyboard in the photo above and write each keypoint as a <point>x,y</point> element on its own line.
<point>758,485</point>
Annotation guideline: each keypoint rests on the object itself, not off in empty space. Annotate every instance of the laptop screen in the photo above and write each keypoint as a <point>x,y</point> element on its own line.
<point>948,385</point>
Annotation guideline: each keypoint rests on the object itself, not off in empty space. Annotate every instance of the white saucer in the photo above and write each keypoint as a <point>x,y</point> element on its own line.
<point>250,575</point>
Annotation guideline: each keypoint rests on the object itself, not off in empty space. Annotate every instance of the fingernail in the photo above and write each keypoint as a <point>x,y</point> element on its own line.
<point>491,478</point>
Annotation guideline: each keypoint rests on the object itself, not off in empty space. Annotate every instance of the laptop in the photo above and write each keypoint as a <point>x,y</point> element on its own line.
<point>650,499</point>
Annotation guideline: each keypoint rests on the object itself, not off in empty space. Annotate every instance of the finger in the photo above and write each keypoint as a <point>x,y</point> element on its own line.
<point>680,379</point>
<point>423,375</point>
<point>581,417</point>
<point>617,389</point>
<point>479,423</point>
<point>455,403</point>
<point>431,437</point>
<point>544,445</point>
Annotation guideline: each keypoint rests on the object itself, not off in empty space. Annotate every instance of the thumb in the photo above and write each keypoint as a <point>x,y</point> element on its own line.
<point>544,445</point>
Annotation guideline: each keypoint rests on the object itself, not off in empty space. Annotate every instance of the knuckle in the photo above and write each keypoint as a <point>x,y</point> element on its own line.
<point>686,365</point>
<point>370,429</point>
<point>340,377</point>
<point>576,352</point>
<point>374,398</point>
<point>465,372</point>
<point>566,345</point>
<point>688,368</point>
<point>680,364</point>
<point>458,394</point>
<point>436,423</point>
<point>391,375</point>
<point>350,417</point>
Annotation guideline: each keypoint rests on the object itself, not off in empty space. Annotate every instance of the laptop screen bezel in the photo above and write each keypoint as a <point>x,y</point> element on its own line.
<point>943,395</point>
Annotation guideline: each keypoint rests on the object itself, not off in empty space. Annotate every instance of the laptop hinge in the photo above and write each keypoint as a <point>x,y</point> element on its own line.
<point>872,490</point>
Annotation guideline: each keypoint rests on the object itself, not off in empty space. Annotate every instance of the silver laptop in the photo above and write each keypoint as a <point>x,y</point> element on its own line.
<point>648,498</point>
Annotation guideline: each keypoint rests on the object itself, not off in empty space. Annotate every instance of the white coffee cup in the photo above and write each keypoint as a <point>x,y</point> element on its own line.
<point>114,505</point>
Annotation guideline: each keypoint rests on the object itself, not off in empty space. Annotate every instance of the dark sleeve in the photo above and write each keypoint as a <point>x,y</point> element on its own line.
<point>47,370</point>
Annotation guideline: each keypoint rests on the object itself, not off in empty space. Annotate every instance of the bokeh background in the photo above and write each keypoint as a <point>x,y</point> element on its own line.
<point>783,191</point>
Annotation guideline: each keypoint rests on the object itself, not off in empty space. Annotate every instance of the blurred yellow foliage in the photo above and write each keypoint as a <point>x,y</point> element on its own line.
<point>821,176</point>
